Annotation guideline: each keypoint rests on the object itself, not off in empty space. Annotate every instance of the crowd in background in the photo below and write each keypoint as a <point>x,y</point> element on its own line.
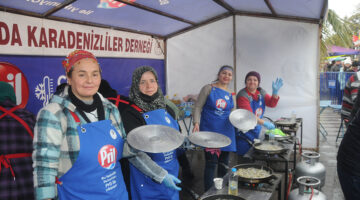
<point>340,64</point>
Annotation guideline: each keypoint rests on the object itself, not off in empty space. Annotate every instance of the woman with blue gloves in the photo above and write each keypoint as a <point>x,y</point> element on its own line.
<point>148,106</point>
<point>254,99</point>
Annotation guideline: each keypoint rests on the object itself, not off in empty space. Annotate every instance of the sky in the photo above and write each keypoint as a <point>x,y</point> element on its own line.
<point>343,7</point>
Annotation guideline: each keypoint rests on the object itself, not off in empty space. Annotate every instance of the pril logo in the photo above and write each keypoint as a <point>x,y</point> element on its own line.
<point>221,103</point>
<point>107,157</point>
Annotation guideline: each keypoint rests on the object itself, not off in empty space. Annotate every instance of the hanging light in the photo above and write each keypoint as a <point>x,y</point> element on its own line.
<point>163,2</point>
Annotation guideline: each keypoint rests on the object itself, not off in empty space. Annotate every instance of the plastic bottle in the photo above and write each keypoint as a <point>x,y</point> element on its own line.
<point>293,117</point>
<point>176,100</point>
<point>271,137</point>
<point>233,183</point>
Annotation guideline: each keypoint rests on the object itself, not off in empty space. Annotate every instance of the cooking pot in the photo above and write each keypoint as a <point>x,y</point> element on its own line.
<point>255,180</point>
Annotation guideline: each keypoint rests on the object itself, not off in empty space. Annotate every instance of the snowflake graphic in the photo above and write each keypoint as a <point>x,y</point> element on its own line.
<point>40,92</point>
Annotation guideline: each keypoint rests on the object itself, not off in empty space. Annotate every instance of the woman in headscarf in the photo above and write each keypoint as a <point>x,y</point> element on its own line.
<point>79,140</point>
<point>16,133</point>
<point>254,99</point>
<point>215,103</point>
<point>148,107</point>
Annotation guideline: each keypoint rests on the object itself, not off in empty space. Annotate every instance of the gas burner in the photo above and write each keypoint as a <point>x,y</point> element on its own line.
<point>258,155</point>
<point>266,186</point>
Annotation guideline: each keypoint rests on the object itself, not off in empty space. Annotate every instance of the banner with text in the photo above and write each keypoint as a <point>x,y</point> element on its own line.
<point>23,35</point>
<point>35,78</point>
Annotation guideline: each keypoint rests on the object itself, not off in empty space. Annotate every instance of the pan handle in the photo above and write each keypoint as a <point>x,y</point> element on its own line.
<point>243,136</point>
<point>270,178</point>
<point>224,165</point>
<point>192,193</point>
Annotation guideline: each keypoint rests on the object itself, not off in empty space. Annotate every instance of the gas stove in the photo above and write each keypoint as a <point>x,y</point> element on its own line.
<point>267,186</point>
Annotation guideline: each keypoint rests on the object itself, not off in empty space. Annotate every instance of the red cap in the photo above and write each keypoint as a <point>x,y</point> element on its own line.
<point>75,56</point>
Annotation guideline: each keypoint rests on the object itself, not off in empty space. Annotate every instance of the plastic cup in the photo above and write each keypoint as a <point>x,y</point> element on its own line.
<point>218,183</point>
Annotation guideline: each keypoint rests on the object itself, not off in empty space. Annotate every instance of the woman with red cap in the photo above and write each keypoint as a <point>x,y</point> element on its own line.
<point>254,99</point>
<point>79,140</point>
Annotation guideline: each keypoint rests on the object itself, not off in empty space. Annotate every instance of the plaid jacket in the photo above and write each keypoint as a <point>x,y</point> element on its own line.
<point>56,144</point>
<point>15,139</point>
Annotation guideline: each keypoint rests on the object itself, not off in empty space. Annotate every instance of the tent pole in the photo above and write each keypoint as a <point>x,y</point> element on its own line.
<point>234,51</point>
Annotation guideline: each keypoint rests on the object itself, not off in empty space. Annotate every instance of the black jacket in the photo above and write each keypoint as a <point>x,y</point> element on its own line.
<point>131,115</point>
<point>349,151</point>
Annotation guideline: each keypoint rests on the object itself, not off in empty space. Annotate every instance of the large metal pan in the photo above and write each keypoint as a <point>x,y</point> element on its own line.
<point>196,196</point>
<point>243,120</point>
<point>209,139</point>
<point>255,180</point>
<point>222,197</point>
<point>280,148</point>
<point>155,138</point>
<point>257,149</point>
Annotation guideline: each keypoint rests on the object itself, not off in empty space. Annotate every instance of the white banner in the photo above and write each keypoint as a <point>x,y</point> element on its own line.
<point>23,35</point>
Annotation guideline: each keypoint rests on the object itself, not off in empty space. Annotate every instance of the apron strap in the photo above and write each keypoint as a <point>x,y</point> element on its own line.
<point>118,100</point>
<point>76,118</point>
<point>136,108</point>
<point>10,112</point>
<point>57,181</point>
<point>5,160</point>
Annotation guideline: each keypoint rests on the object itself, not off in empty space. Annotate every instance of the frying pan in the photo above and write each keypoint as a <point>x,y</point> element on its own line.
<point>280,150</point>
<point>243,119</point>
<point>255,180</point>
<point>222,197</point>
<point>255,145</point>
<point>195,196</point>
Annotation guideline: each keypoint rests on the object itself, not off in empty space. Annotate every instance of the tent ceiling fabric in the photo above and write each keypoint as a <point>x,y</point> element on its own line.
<point>163,18</point>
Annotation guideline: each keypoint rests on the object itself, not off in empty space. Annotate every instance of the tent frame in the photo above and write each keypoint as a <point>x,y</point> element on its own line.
<point>193,25</point>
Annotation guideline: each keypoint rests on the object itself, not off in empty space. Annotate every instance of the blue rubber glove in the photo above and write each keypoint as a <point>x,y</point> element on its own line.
<point>269,125</point>
<point>170,181</point>
<point>276,86</point>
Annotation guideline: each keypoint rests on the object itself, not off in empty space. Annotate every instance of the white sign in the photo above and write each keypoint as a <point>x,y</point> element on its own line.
<point>23,35</point>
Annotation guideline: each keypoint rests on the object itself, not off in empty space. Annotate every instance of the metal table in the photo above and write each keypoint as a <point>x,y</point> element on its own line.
<point>248,194</point>
<point>291,128</point>
<point>281,158</point>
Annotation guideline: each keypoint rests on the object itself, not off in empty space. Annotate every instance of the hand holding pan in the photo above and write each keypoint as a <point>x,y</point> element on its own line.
<point>243,120</point>
<point>209,139</point>
<point>155,138</point>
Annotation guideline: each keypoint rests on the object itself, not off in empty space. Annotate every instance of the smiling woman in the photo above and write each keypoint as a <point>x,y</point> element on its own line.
<point>85,79</point>
<point>214,104</point>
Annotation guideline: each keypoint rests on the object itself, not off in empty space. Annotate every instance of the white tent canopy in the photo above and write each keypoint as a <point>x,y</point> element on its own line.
<point>274,48</point>
<point>277,38</point>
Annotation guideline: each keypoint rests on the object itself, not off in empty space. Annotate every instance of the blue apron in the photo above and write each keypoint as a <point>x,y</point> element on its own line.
<point>143,187</point>
<point>258,108</point>
<point>96,174</point>
<point>215,115</point>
